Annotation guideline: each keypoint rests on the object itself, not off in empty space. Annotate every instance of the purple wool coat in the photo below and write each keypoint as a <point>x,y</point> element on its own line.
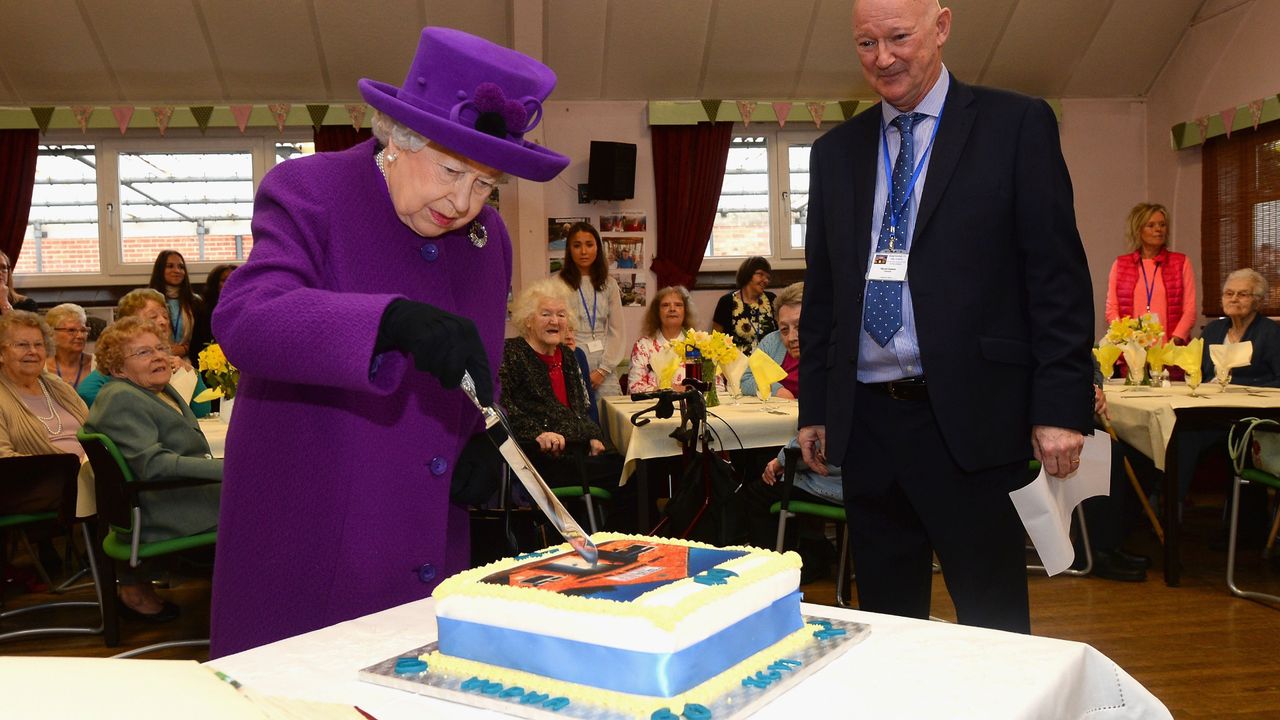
<point>335,501</point>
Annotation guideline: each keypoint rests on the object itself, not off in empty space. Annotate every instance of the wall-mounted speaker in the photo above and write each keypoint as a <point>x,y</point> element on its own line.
<point>611,171</point>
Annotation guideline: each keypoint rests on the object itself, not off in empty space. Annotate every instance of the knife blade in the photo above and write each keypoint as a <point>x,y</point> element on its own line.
<point>499,431</point>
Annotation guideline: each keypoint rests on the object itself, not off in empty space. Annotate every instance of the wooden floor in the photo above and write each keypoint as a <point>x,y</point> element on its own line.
<point>1204,653</point>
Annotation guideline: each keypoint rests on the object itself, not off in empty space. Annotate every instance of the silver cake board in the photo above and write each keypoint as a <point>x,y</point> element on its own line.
<point>739,702</point>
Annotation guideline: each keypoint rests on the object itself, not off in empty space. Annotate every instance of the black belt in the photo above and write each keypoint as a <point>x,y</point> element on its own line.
<point>912,388</point>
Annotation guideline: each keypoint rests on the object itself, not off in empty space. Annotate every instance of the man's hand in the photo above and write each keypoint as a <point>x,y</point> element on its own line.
<point>772,472</point>
<point>813,443</point>
<point>1057,449</point>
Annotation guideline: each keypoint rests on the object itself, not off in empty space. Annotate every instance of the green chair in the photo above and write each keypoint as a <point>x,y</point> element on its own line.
<point>120,528</point>
<point>1033,470</point>
<point>577,452</point>
<point>1239,443</point>
<point>787,508</point>
<point>34,468</point>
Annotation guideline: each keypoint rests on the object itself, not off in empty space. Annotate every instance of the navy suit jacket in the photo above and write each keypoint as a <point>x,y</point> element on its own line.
<point>999,280</point>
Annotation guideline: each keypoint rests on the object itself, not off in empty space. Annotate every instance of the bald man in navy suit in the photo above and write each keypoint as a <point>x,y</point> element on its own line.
<point>948,320</point>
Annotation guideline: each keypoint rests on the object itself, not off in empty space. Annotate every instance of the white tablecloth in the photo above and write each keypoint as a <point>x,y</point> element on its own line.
<point>905,669</point>
<point>742,425</point>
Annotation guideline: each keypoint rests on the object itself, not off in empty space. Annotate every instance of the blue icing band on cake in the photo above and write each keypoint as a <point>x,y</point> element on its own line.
<point>556,704</point>
<point>640,673</point>
<point>694,711</point>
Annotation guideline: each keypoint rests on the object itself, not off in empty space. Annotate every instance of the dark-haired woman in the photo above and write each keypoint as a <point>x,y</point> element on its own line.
<point>599,300</point>
<point>202,334</point>
<point>747,314</point>
<point>169,277</point>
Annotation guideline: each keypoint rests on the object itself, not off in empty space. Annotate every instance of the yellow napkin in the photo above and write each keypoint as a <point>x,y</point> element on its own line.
<point>766,371</point>
<point>1158,356</point>
<point>665,363</point>
<point>1229,356</point>
<point>1107,356</point>
<point>208,394</point>
<point>1188,358</point>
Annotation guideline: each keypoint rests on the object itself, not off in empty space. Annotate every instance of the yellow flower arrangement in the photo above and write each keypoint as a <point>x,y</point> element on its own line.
<point>714,346</point>
<point>219,373</point>
<point>1145,330</point>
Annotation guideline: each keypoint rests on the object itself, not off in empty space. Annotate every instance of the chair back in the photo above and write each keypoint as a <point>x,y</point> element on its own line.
<point>61,467</point>
<point>110,476</point>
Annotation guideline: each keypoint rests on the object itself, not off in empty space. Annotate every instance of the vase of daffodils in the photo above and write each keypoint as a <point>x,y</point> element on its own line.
<point>1135,336</point>
<point>222,378</point>
<point>717,351</point>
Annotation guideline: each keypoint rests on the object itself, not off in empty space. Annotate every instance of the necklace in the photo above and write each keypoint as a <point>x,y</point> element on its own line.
<point>53,414</point>
<point>382,168</point>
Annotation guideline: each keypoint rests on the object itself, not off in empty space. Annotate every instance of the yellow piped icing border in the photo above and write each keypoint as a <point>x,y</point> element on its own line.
<point>467,584</point>
<point>638,705</point>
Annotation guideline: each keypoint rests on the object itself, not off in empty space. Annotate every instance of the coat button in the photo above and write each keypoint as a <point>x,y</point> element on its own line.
<point>439,465</point>
<point>427,573</point>
<point>430,252</point>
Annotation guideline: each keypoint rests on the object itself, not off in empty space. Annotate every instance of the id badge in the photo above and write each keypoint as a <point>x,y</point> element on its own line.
<point>595,346</point>
<point>888,266</point>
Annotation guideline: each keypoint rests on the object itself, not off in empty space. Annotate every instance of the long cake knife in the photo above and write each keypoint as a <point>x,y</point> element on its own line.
<point>499,431</point>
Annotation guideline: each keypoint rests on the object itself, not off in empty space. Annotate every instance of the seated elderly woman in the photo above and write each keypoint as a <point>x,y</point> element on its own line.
<point>1242,295</point>
<point>149,305</point>
<point>543,392</point>
<point>667,318</point>
<point>70,326</point>
<point>159,438</point>
<point>39,414</point>
<point>783,345</point>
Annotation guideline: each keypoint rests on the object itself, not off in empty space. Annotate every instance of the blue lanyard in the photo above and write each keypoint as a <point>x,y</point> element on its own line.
<point>1150,287</point>
<point>896,212</point>
<point>591,314</point>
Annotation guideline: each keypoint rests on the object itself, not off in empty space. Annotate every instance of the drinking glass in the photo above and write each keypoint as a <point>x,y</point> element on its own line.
<point>1193,382</point>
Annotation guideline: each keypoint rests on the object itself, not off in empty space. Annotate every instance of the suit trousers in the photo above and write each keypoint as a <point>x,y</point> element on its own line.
<point>906,499</point>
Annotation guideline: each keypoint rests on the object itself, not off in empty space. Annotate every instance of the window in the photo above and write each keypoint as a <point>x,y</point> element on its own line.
<point>103,206</point>
<point>1240,216</point>
<point>764,199</point>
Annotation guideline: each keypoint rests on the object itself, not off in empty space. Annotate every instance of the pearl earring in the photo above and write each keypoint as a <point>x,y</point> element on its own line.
<point>391,157</point>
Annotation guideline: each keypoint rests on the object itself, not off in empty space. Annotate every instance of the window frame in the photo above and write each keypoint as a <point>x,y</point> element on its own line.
<point>260,143</point>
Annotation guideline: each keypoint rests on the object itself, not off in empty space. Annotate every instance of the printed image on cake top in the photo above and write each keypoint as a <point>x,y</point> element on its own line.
<point>627,569</point>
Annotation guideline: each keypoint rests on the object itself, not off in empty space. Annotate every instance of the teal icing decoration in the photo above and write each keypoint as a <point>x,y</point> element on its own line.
<point>533,698</point>
<point>556,704</point>
<point>714,576</point>
<point>532,555</point>
<point>750,681</point>
<point>824,624</point>
<point>472,683</point>
<point>788,665</point>
<point>664,714</point>
<point>828,633</point>
<point>410,666</point>
<point>694,711</point>
<point>789,661</point>
<point>492,688</point>
<point>513,691</point>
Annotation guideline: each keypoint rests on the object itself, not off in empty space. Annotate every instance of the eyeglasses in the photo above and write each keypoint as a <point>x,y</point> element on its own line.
<point>144,353</point>
<point>73,330</point>
<point>448,174</point>
<point>1228,294</point>
<point>27,347</point>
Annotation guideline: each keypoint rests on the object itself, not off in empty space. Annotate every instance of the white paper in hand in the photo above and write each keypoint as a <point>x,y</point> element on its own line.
<point>184,381</point>
<point>1045,505</point>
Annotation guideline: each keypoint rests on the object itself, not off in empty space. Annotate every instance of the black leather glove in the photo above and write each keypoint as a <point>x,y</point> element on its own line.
<point>440,342</point>
<point>477,473</point>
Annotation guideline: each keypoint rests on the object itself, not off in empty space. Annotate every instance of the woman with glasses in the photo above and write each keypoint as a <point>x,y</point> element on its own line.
<point>159,438</point>
<point>747,314</point>
<point>1243,295</point>
<point>70,332</point>
<point>39,414</point>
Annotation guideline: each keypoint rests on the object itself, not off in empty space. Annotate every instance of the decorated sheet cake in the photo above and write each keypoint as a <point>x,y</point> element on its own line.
<point>656,625</point>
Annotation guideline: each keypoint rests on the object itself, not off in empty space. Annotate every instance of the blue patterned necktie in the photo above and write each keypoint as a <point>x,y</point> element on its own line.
<point>883,315</point>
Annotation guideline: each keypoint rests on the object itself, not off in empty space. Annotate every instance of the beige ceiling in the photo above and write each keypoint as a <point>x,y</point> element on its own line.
<point>62,52</point>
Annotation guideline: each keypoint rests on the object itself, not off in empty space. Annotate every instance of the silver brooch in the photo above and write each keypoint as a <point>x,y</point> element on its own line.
<point>478,234</point>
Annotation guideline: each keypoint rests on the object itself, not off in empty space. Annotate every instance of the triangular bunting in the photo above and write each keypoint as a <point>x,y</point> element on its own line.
<point>280,111</point>
<point>356,113</point>
<point>82,114</point>
<point>849,108</point>
<point>745,109</point>
<point>241,114</point>
<point>780,111</point>
<point>317,113</point>
<point>816,110</point>
<point>1202,123</point>
<point>712,108</point>
<point>201,113</point>
<point>163,114</point>
<point>123,114</point>
<point>1255,112</point>
<point>1228,119</point>
<point>42,115</point>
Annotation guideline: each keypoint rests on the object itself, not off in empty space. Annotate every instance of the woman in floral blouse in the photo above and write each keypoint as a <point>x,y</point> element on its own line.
<point>668,317</point>
<point>746,314</point>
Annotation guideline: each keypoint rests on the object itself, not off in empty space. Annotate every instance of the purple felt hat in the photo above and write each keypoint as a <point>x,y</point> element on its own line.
<point>475,98</point>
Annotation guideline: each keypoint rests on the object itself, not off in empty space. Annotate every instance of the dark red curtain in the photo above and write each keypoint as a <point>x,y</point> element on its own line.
<point>688,169</point>
<point>17,178</point>
<point>339,137</point>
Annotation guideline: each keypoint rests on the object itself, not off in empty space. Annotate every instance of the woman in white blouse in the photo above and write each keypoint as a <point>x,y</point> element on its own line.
<point>599,301</point>
<point>668,317</point>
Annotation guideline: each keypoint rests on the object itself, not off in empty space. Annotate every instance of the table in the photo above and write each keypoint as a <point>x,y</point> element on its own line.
<point>1149,419</point>
<point>905,669</point>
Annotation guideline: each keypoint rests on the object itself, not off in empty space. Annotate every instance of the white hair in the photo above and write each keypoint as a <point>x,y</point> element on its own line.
<point>58,313</point>
<point>1254,277</point>
<point>387,129</point>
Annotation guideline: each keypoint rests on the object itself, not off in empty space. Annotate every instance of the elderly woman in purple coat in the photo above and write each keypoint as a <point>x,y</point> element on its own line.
<point>378,277</point>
